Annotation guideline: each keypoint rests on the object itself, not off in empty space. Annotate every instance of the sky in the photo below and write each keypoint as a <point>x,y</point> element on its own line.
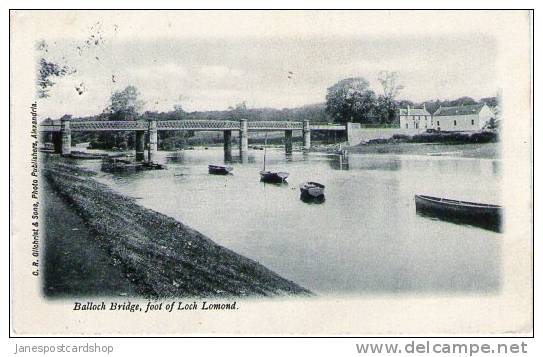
<point>213,72</point>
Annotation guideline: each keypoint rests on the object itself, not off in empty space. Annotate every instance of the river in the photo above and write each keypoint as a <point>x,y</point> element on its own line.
<point>366,238</point>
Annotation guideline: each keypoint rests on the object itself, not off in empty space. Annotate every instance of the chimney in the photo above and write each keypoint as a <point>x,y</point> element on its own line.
<point>424,106</point>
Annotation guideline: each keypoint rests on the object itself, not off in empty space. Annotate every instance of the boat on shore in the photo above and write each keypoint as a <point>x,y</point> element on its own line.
<point>312,189</point>
<point>114,164</point>
<point>219,169</point>
<point>479,214</point>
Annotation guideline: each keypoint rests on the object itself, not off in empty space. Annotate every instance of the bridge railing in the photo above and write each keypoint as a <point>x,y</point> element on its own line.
<point>278,125</point>
<point>197,125</point>
<point>106,125</point>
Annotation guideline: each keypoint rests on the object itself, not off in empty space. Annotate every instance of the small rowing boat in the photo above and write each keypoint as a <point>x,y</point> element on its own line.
<point>273,176</point>
<point>219,169</point>
<point>313,189</point>
<point>480,214</point>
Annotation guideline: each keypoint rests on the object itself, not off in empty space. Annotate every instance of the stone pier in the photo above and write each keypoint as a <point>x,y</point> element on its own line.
<point>153,140</point>
<point>243,138</point>
<point>227,134</point>
<point>66,137</point>
<point>307,135</point>
<point>56,138</point>
<point>288,141</point>
<point>140,145</point>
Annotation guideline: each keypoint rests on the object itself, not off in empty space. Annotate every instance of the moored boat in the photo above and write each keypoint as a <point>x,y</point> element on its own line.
<point>313,189</point>
<point>273,176</point>
<point>219,169</point>
<point>479,214</point>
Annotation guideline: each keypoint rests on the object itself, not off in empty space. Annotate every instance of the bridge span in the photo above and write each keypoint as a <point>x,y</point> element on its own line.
<point>61,131</point>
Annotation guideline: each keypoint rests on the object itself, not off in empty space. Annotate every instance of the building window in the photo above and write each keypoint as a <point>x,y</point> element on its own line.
<point>455,123</point>
<point>406,126</point>
<point>472,122</point>
<point>438,123</point>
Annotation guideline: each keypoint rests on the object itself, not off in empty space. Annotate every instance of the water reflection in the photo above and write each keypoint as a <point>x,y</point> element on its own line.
<point>311,199</point>
<point>494,225</point>
<point>364,162</point>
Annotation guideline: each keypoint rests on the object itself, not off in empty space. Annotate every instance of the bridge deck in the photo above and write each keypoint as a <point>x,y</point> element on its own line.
<point>198,125</point>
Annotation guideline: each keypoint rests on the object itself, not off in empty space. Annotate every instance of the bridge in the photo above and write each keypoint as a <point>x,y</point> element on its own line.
<point>62,141</point>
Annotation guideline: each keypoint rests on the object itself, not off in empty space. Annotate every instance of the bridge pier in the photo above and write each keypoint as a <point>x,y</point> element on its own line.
<point>56,139</point>
<point>227,134</point>
<point>243,138</point>
<point>153,140</point>
<point>66,137</point>
<point>140,145</point>
<point>307,135</point>
<point>288,141</point>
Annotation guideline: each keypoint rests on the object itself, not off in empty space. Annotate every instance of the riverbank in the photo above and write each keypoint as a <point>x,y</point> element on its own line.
<point>476,151</point>
<point>75,263</point>
<point>159,255</point>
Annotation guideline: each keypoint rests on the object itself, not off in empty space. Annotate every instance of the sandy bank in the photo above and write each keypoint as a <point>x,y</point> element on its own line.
<point>161,256</point>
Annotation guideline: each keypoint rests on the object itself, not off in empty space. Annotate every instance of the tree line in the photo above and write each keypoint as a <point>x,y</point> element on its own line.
<point>348,100</point>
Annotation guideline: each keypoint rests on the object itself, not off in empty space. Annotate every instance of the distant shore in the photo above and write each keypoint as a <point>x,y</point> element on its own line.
<point>159,255</point>
<point>476,151</point>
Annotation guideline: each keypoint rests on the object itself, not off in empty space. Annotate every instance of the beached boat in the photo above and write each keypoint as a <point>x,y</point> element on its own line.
<point>480,214</point>
<point>313,189</point>
<point>113,164</point>
<point>219,169</point>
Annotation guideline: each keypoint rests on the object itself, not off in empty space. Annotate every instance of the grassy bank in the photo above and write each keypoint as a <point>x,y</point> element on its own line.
<point>160,255</point>
<point>481,151</point>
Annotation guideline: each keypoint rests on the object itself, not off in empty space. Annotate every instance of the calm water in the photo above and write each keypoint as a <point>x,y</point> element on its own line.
<point>366,236</point>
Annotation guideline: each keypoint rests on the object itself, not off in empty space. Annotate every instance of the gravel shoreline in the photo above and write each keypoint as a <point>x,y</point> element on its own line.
<point>162,256</point>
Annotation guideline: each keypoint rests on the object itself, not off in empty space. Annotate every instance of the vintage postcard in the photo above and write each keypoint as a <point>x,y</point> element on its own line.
<point>271,173</point>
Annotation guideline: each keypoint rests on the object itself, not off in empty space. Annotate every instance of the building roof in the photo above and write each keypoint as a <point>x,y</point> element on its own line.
<point>414,111</point>
<point>459,110</point>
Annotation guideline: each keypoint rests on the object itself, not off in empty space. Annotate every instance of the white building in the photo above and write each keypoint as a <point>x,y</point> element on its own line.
<point>462,118</point>
<point>413,118</point>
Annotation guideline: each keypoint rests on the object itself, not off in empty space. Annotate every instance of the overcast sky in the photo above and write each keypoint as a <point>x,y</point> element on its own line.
<point>213,73</point>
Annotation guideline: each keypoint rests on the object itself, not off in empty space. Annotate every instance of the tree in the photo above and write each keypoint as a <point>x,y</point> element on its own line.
<point>462,101</point>
<point>125,104</point>
<point>386,103</point>
<point>350,100</point>
<point>386,109</point>
<point>390,85</point>
<point>48,70</point>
